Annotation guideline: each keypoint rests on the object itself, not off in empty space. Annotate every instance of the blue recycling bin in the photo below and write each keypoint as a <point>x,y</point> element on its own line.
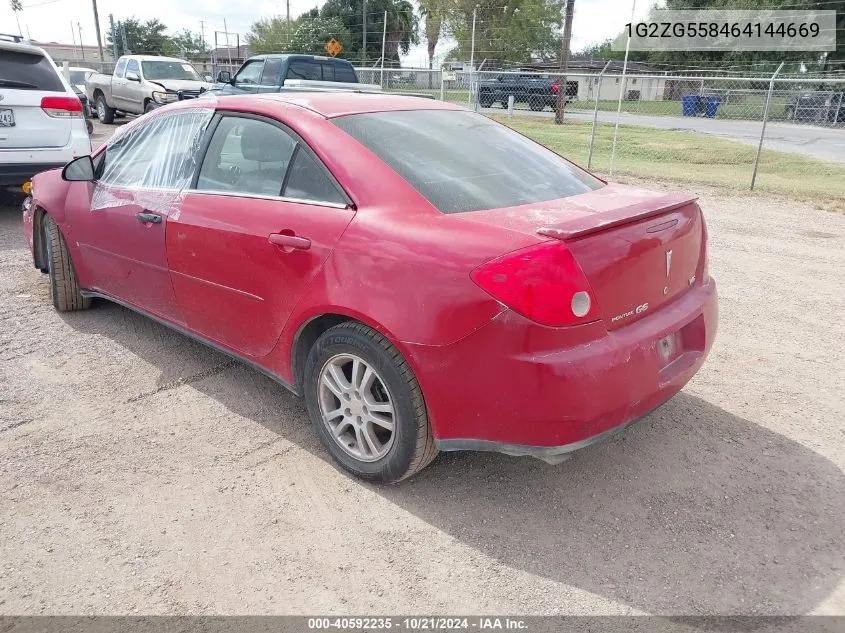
<point>712,107</point>
<point>690,105</point>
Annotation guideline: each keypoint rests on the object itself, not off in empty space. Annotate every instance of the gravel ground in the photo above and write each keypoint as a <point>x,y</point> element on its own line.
<point>141,472</point>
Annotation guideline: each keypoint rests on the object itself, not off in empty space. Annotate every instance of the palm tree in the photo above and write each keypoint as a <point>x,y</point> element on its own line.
<point>401,29</point>
<point>17,6</point>
<point>432,11</point>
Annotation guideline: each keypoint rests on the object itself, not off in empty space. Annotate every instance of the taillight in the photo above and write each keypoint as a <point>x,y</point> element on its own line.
<point>59,107</point>
<point>705,264</point>
<point>543,283</point>
<point>554,88</point>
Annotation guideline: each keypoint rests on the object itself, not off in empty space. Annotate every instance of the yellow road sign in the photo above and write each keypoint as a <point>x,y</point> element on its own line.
<point>333,47</point>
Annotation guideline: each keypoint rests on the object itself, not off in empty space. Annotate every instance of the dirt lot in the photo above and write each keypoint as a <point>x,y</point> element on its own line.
<point>143,472</point>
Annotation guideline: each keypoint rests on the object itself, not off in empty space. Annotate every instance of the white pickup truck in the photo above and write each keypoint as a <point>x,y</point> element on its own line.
<point>141,83</point>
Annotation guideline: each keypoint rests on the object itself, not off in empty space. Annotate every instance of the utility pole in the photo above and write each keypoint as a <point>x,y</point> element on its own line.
<point>81,46</point>
<point>113,36</point>
<point>364,45</point>
<point>126,50</point>
<point>560,102</point>
<point>202,33</point>
<point>73,35</point>
<point>97,29</point>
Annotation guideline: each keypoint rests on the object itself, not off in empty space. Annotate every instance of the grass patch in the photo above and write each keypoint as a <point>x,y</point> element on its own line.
<point>688,157</point>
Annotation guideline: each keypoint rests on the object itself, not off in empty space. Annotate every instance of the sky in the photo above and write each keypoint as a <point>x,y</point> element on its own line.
<point>59,20</point>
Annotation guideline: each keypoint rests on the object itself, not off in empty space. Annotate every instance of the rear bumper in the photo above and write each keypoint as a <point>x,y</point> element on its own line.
<point>19,173</point>
<point>523,389</point>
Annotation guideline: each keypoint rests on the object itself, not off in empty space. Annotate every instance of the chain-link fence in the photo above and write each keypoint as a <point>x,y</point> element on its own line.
<point>689,128</point>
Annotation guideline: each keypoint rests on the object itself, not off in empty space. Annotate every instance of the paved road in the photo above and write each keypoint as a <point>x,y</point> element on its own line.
<point>816,142</point>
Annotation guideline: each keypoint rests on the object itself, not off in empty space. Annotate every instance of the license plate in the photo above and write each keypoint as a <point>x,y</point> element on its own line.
<point>668,348</point>
<point>7,117</point>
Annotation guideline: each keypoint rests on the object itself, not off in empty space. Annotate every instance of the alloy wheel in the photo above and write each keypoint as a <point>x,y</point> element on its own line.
<point>356,407</point>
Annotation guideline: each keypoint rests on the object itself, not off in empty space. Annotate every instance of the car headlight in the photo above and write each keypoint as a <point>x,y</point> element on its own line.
<point>163,97</point>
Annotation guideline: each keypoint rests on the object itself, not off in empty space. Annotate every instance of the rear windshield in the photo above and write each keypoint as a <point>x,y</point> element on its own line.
<point>78,77</point>
<point>462,161</point>
<point>27,71</point>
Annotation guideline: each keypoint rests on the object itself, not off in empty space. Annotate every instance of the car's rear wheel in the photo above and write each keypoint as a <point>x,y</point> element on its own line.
<point>104,112</point>
<point>485,101</point>
<point>366,404</point>
<point>64,285</point>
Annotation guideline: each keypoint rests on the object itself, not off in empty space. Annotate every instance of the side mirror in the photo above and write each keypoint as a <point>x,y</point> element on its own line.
<point>208,78</point>
<point>224,77</point>
<point>79,170</point>
<point>132,76</point>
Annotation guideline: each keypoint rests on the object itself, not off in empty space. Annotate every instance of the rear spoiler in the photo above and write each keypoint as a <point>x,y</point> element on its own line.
<point>597,221</point>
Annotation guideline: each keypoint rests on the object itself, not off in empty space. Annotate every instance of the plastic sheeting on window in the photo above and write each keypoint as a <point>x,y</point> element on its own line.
<point>150,165</point>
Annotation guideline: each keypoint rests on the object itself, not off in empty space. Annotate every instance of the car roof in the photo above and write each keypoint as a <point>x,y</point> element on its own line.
<point>336,103</point>
<point>299,56</point>
<point>22,47</point>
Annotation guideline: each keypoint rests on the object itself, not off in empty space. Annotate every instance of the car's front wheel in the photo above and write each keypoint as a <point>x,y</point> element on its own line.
<point>366,404</point>
<point>104,112</point>
<point>64,285</point>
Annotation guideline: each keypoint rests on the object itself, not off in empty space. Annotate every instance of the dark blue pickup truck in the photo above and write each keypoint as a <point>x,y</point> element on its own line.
<point>268,73</point>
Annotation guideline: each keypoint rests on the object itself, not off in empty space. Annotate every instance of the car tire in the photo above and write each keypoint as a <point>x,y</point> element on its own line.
<point>485,102</point>
<point>104,112</point>
<point>149,107</point>
<point>410,446</point>
<point>64,285</point>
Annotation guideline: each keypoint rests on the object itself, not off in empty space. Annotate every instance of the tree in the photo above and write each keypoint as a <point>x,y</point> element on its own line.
<point>17,7</point>
<point>141,37</point>
<point>311,35</point>
<point>432,12</point>
<point>271,35</point>
<point>306,34</point>
<point>402,26</point>
<point>515,33</point>
<point>185,44</point>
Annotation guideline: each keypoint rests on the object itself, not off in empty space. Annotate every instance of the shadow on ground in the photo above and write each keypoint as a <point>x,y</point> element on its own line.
<point>691,511</point>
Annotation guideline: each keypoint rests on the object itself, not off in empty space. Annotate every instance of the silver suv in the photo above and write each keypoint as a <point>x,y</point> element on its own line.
<point>41,120</point>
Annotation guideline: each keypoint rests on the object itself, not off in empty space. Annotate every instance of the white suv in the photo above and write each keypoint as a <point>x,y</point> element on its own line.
<point>41,120</point>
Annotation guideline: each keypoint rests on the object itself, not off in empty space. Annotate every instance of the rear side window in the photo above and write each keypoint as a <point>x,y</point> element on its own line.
<point>28,71</point>
<point>246,156</point>
<point>344,72</point>
<point>308,181</point>
<point>463,161</point>
<point>302,69</point>
<point>271,75</point>
<point>328,71</point>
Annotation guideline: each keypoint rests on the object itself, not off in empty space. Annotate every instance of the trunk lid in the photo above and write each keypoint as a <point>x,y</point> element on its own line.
<point>639,249</point>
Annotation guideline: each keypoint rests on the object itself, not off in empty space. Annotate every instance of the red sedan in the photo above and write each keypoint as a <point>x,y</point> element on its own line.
<point>426,278</point>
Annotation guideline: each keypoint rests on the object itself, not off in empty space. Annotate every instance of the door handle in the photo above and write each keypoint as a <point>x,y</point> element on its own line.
<point>152,218</point>
<point>289,241</point>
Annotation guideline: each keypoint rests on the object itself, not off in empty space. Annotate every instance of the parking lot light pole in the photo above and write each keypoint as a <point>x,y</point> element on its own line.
<point>763,129</point>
